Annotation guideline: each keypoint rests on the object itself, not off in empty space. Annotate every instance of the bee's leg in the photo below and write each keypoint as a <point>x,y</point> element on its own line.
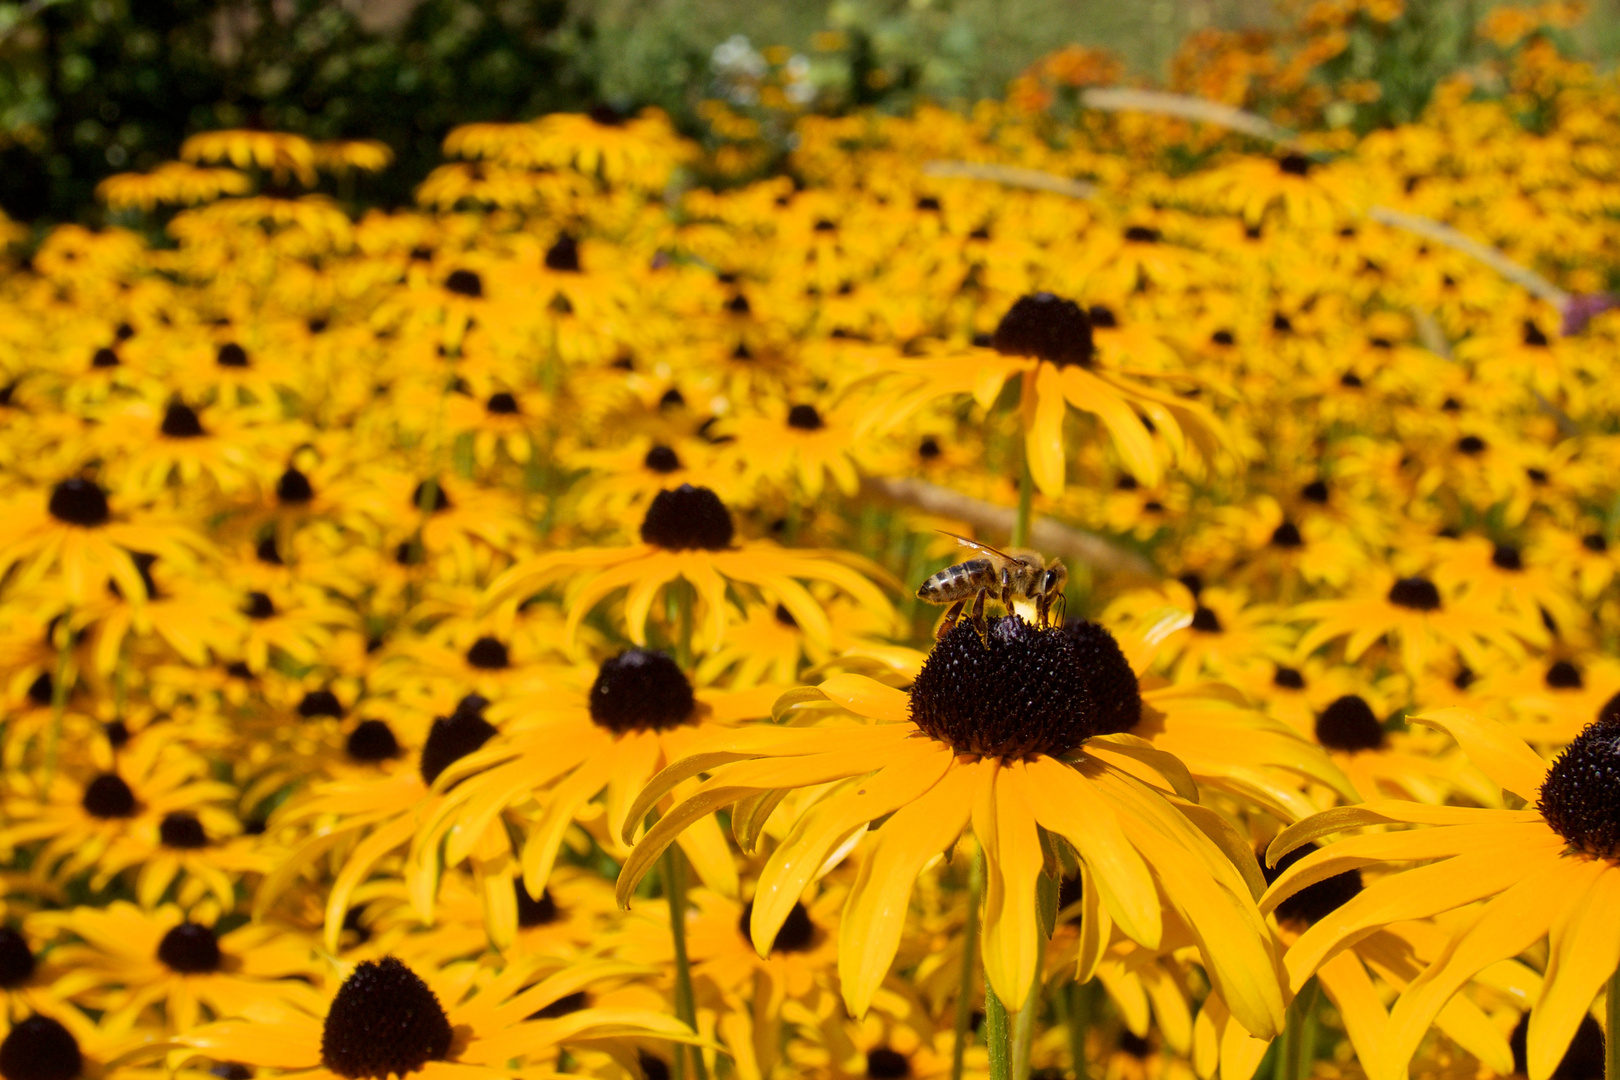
<point>979,622</point>
<point>1059,604</point>
<point>953,613</point>
<point>1006,590</point>
<point>1043,604</point>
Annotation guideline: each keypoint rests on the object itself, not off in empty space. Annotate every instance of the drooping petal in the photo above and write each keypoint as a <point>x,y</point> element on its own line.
<point>875,912</point>
<point>1503,756</point>
<point>1011,937</point>
<point>1584,950</point>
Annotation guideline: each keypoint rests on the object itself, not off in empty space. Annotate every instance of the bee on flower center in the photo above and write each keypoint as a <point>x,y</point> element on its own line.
<point>1010,576</point>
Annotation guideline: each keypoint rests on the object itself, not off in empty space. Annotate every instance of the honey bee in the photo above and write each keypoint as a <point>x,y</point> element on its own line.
<point>1007,575</point>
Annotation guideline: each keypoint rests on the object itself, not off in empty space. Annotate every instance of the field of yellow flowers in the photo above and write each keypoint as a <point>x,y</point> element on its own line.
<point>490,641</point>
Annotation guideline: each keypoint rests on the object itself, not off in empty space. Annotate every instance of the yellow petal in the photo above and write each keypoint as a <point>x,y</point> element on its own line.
<point>1499,753</point>
<point>1011,938</point>
<point>1069,805</point>
<point>864,696</point>
<point>875,913</point>
<point>1584,950</point>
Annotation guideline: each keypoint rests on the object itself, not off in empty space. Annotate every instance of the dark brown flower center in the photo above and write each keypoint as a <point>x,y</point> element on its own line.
<point>1580,798</point>
<point>1349,725</point>
<point>1027,691</point>
<point>1415,593</point>
<point>190,949</point>
<point>797,934</point>
<point>79,502</point>
<point>465,283</point>
<point>40,1048</point>
<point>384,1021</point>
<point>1313,902</point>
<point>453,737</point>
<point>688,518</point>
<point>1048,328</point>
<point>641,690</point>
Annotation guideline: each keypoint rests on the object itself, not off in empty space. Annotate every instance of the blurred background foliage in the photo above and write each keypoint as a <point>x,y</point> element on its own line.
<point>89,88</point>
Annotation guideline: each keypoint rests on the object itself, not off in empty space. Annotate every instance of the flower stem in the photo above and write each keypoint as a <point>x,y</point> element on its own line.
<point>996,1034</point>
<point>1611,1062</point>
<point>681,596</point>
<point>59,695</point>
<point>1296,1051</point>
<point>970,953</point>
<point>685,1006</point>
<point>1026,499</point>
<point>1078,996</point>
<point>1023,1033</point>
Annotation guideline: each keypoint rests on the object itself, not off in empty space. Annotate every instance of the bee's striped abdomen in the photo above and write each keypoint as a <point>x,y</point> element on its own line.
<point>954,582</point>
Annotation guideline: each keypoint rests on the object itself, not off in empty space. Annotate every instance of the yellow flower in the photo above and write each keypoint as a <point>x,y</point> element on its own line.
<point>172,182</point>
<point>72,534</point>
<point>950,754</point>
<point>131,960</point>
<point>1547,869</point>
<point>571,743</point>
<point>385,1018</point>
<point>688,533</point>
<point>280,154</point>
<point>1046,342</point>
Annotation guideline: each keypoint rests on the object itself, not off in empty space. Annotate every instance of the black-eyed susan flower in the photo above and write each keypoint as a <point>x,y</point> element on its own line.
<point>952,753</point>
<point>127,961</point>
<point>567,745</point>
<point>1047,341</point>
<point>1546,867</point>
<point>385,1019</point>
<point>688,534</point>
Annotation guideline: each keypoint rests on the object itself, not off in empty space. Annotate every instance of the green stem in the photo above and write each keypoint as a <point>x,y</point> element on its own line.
<point>685,1005</point>
<point>59,696</point>
<point>996,1034</point>
<point>970,954</point>
<point>1024,1023</point>
<point>1079,1021</point>
<point>1294,1050</point>
<point>1307,1028</point>
<point>1612,1043</point>
<point>1026,499</point>
<point>684,602</point>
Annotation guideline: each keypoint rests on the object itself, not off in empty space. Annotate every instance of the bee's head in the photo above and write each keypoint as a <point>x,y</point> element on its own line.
<point>1054,578</point>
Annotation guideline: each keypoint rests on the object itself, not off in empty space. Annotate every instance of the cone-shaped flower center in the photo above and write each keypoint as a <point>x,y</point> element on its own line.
<point>688,518</point>
<point>563,256</point>
<point>465,283</point>
<point>1205,621</point>
<point>1416,593</point>
<point>1048,328</point>
<point>1294,164</point>
<point>452,738</point>
<point>384,1021</point>
<point>1287,535</point>
<point>372,740</point>
<point>796,935</point>
<point>40,1048</point>
<point>231,355</point>
<point>104,358</point>
<point>180,422</point>
<point>320,703</point>
<point>1564,675</point>
<point>887,1063</point>
<point>1507,557</point>
<point>16,958</point>
<point>640,690</point>
<point>181,830</point>
<point>1313,902</point>
<point>1349,725</point>
<point>108,796</point>
<point>502,404</point>
<point>1028,691</point>
<point>294,487</point>
<point>661,459</point>
<point>534,912</point>
<point>804,418</point>
<point>79,502</point>
<point>430,504</point>
<point>489,654</point>
<point>190,949</point>
<point>1580,797</point>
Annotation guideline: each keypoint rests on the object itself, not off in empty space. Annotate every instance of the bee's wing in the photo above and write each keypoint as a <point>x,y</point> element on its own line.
<point>975,545</point>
